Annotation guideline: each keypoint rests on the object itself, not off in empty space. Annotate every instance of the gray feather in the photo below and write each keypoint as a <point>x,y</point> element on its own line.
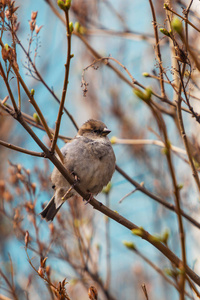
<point>50,210</point>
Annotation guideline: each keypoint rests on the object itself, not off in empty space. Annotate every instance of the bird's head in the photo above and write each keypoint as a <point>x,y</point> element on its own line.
<point>93,129</point>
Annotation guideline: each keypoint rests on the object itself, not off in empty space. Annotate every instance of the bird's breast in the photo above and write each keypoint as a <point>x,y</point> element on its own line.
<point>93,162</point>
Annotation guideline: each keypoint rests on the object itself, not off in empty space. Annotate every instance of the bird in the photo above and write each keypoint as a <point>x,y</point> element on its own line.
<point>90,158</point>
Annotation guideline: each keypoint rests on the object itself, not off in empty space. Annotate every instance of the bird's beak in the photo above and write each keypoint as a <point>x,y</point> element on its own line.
<point>106,131</point>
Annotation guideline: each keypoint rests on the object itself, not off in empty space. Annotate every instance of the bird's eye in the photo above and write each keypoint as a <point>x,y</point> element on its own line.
<point>97,131</point>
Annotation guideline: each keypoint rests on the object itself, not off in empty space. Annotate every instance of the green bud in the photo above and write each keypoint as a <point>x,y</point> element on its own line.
<point>145,74</point>
<point>177,25</point>
<point>166,6</point>
<point>82,30</point>
<point>72,55</point>
<point>139,231</point>
<point>165,236</point>
<point>173,272</point>
<point>32,92</point>
<point>107,188</point>
<point>196,163</point>
<point>129,245</point>
<point>155,238</point>
<point>181,271</point>
<point>68,3</point>
<point>165,31</point>
<point>71,27</point>
<point>139,93</point>
<point>164,151</point>
<point>113,140</point>
<point>5,52</point>
<point>168,143</point>
<point>169,272</point>
<point>143,95</point>
<point>61,4</point>
<point>77,26</point>
<point>180,186</point>
<point>64,4</point>
<point>148,93</point>
<point>6,46</point>
<point>36,118</point>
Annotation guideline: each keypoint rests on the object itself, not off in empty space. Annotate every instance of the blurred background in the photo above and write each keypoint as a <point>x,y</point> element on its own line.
<point>82,245</point>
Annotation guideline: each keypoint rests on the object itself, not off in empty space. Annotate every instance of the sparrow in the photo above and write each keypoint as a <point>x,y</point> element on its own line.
<point>90,158</point>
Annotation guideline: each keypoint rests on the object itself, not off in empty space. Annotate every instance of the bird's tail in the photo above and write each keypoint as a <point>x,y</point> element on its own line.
<point>50,210</point>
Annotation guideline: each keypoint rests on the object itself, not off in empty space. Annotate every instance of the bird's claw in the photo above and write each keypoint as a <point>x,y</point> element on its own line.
<point>90,198</point>
<point>76,178</point>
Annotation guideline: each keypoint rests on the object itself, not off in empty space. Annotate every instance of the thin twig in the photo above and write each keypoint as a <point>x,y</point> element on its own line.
<point>22,150</point>
<point>145,291</point>
<point>193,287</point>
<point>158,53</point>
<point>130,35</point>
<point>65,84</point>
<point>108,248</point>
<point>8,87</point>
<point>146,142</point>
<point>130,193</point>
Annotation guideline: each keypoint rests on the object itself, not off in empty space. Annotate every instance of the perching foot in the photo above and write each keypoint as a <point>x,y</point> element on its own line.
<point>87,201</point>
